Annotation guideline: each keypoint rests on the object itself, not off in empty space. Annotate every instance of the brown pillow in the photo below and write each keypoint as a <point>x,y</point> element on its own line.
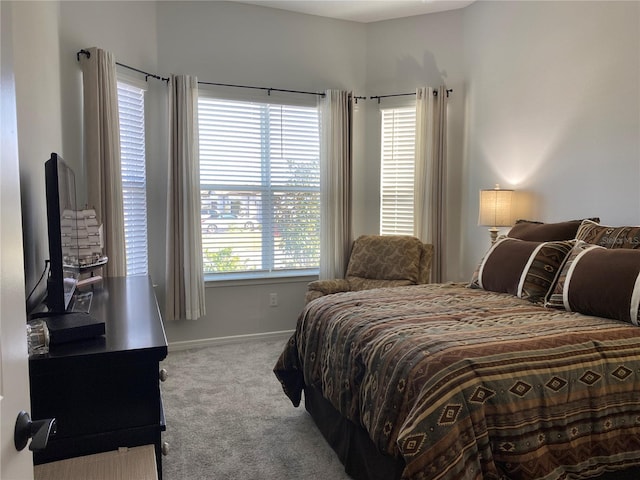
<point>609,237</point>
<point>599,281</point>
<point>519,267</point>
<point>545,232</point>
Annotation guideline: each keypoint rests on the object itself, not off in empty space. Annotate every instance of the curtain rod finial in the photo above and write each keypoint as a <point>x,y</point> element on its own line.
<point>83,52</point>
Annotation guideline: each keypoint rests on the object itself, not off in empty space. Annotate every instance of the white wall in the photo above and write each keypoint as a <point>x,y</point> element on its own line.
<point>553,110</point>
<point>236,43</point>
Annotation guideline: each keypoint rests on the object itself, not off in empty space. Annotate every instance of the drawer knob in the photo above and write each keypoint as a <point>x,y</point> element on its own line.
<point>163,374</point>
<point>165,448</point>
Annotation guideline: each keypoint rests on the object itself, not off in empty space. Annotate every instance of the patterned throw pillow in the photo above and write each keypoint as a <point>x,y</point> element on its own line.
<point>599,281</point>
<point>519,267</point>
<point>545,232</point>
<point>609,237</point>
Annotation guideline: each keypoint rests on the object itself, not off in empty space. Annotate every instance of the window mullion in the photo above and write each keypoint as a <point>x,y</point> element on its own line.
<point>267,199</point>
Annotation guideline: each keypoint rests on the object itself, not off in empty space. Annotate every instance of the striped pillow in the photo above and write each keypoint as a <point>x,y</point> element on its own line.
<point>520,267</point>
<point>609,237</point>
<point>599,281</point>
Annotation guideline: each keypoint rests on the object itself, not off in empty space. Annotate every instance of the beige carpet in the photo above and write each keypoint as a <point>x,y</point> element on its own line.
<point>227,418</point>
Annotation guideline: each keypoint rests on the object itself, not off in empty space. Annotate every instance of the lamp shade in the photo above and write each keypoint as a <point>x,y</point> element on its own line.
<point>495,207</point>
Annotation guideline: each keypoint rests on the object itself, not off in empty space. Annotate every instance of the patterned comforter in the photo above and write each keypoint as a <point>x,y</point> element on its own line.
<point>469,384</point>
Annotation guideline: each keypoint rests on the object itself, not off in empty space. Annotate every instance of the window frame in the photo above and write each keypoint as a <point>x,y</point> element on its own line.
<point>393,104</point>
<point>141,85</point>
<point>278,98</point>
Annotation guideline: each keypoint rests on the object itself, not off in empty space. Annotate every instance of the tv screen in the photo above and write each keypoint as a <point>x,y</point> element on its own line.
<point>63,243</point>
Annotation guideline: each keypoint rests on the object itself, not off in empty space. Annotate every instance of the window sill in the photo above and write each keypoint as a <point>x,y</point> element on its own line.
<point>260,278</point>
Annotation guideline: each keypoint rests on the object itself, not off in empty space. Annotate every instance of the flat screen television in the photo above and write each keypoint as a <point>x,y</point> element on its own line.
<point>64,269</point>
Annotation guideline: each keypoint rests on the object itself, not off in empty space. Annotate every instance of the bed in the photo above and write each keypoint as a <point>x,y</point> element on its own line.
<point>530,371</point>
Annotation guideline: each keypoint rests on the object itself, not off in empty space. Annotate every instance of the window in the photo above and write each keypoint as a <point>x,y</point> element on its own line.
<point>132,153</point>
<point>397,170</point>
<point>259,188</point>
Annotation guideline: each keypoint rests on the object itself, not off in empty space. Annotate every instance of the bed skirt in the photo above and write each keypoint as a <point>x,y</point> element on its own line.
<point>361,459</point>
<point>356,451</point>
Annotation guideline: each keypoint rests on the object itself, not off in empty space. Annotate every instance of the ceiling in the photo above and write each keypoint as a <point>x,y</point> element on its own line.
<point>363,11</point>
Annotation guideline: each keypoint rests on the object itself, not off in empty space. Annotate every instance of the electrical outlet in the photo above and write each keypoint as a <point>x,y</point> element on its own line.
<point>273,299</point>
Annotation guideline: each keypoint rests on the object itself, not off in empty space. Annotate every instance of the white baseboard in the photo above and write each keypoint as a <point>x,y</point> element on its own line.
<point>209,342</point>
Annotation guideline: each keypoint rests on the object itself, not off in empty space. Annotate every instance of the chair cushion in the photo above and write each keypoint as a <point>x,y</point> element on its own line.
<point>386,257</point>
<point>358,283</point>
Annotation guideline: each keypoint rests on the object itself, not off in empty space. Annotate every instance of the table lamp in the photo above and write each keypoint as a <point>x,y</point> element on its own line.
<point>495,209</point>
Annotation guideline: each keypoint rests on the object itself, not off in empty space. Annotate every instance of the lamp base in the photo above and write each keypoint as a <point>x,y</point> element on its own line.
<point>493,232</point>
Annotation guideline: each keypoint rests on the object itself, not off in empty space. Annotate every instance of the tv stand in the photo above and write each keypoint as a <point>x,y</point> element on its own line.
<point>104,392</point>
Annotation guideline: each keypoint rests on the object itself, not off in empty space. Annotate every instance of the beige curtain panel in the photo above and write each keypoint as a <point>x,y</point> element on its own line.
<point>185,278</point>
<point>102,153</point>
<point>335,182</point>
<point>431,174</point>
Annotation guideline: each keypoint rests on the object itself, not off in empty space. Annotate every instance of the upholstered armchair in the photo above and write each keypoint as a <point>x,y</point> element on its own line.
<point>379,261</point>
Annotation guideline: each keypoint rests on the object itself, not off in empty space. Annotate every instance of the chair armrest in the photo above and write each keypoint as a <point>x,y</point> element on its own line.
<point>312,295</point>
<point>327,287</point>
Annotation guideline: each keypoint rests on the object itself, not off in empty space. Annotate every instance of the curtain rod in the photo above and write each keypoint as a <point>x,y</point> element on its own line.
<point>146,74</point>
<point>267,89</point>
<point>378,97</point>
<point>271,89</point>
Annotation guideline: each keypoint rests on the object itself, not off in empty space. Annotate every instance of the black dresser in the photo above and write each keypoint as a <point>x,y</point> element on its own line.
<point>105,392</point>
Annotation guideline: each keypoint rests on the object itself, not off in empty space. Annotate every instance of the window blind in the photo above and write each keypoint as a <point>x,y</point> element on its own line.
<point>259,187</point>
<point>397,170</point>
<point>134,185</point>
